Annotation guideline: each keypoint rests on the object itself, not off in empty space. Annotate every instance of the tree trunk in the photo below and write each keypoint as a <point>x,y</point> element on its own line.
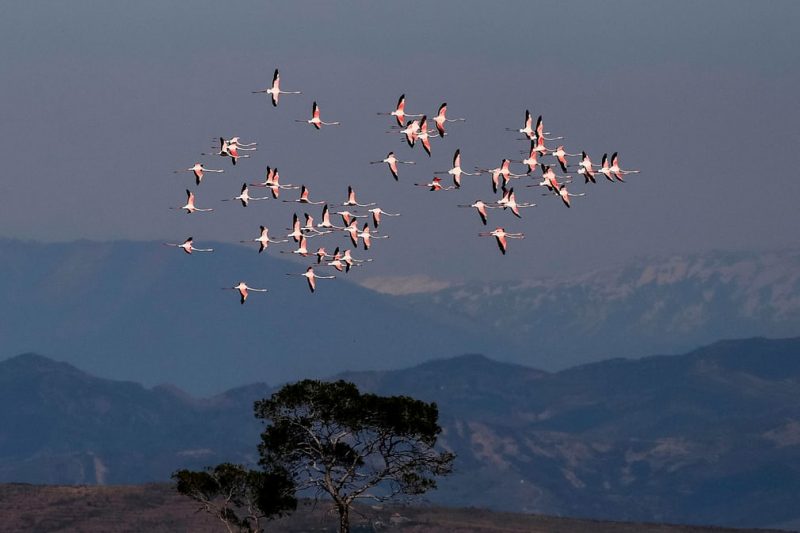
<point>344,518</point>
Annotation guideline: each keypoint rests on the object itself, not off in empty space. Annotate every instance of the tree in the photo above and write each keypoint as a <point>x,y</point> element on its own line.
<point>336,441</point>
<point>240,498</point>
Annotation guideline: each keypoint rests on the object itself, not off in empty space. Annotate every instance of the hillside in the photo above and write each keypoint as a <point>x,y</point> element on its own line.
<point>709,437</point>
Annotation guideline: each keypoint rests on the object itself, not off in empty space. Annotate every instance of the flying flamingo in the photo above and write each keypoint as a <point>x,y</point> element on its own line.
<point>501,236</point>
<point>509,201</point>
<point>351,199</point>
<point>618,172</point>
<point>352,232</point>
<point>540,133</point>
<point>399,113</point>
<point>229,150</point>
<point>198,169</point>
<point>309,228</point>
<point>302,248</point>
<point>315,120</point>
<point>481,207</point>
<point>392,161</point>
<point>501,171</point>
<point>312,278</point>
<point>605,168</point>
<point>190,207</point>
<point>565,195</point>
<point>187,246</point>
<point>411,131</point>
<point>326,219</point>
<point>351,261</point>
<point>321,254</point>
<point>586,168</point>
<point>275,91</point>
<point>336,261</point>
<point>272,181</point>
<point>367,236</point>
<point>304,197</point>
<point>263,239</point>
<point>550,179</point>
<point>561,156</point>
<point>347,217</point>
<point>236,141</point>
<point>226,144</point>
<point>377,212</point>
<point>537,145</point>
<point>243,290</point>
<point>245,197</point>
<point>297,232</point>
<point>435,185</point>
<point>527,130</point>
<point>424,135</point>
<point>532,161</point>
<point>457,171</point>
<point>441,118</point>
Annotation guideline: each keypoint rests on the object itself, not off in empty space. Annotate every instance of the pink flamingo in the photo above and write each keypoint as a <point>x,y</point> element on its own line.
<point>263,239</point>
<point>312,278</point>
<point>198,169</point>
<point>392,161</point>
<point>501,235</point>
<point>275,91</point>
<point>188,247</point>
<point>441,118</point>
<point>315,120</point>
<point>243,290</point>
<point>190,207</point>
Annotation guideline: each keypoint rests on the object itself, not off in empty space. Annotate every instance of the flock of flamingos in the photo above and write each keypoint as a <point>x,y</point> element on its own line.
<point>415,130</point>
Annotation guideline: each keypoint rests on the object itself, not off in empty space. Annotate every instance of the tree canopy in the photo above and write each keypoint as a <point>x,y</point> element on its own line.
<point>334,440</point>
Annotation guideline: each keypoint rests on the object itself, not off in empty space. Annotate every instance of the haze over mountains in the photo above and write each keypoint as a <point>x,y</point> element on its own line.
<point>710,437</point>
<point>143,312</point>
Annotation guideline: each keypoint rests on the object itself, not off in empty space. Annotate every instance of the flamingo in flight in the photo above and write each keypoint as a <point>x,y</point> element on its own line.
<point>245,197</point>
<point>565,195</point>
<point>527,130</point>
<point>275,91</point>
<point>550,179</point>
<point>366,235</point>
<point>263,239</point>
<point>501,235</point>
<point>226,144</point>
<point>302,248</point>
<point>501,171</point>
<point>377,212</point>
<point>297,232</point>
<point>309,228</point>
<point>237,142</point>
<point>322,254</point>
<point>586,168</point>
<point>538,145</point>
<point>190,207</point>
<point>605,168</point>
<point>351,261</point>
<point>618,172</point>
<point>561,156</point>
<point>540,133</point>
<point>509,201</point>
<point>481,207</point>
<point>229,150</point>
<point>424,135</point>
<point>411,132</point>
<point>315,120</point>
<point>272,181</point>
<point>399,112</point>
<point>311,277</point>
<point>435,185</point>
<point>243,290</point>
<point>441,118</point>
<point>188,247</point>
<point>457,171</point>
<point>198,169</point>
<point>392,161</point>
<point>347,217</point>
<point>326,219</point>
<point>351,199</point>
<point>304,197</point>
<point>532,161</point>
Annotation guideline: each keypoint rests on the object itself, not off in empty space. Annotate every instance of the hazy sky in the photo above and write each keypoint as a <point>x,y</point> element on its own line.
<point>102,100</point>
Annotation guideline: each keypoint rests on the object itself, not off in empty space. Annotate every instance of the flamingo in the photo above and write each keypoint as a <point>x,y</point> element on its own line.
<point>351,261</point>
<point>605,168</point>
<point>337,261</point>
<point>263,239</point>
<point>315,120</point>
<point>352,232</point>
<point>550,180</point>
<point>326,219</point>
<point>351,199</point>
<point>243,290</point>
<point>392,161</point>
<point>537,145</point>
<point>424,136</point>
<point>198,169</point>
<point>272,181</point>
<point>321,254</point>
<point>347,217</point>
<point>561,156</point>
<point>399,113</point>
<point>377,212</point>
<point>367,236</point>
<point>501,171</point>
<point>527,130</point>
<point>618,172</point>
<point>411,131</point>
<point>540,133</point>
<point>187,246</point>
<point>245,197</point>
<point>311,277</point>
<point>509,201</point>
<point>565,195</point>
<point>532,161</point>
<point>586,168</point>
<point>236,141</point>
<point>190,207</point>
<point>309,228</point>
<point>228,150</point>
<point>275,91</point>
<point>302,248</point>
<point>481,207</point>
<point>225,145</point>
<point>297,232</point>
<point>435,185</point>
<point>457,171</point>
<point>501,235</point>
<point>441,118</point>
<point>304,197</point>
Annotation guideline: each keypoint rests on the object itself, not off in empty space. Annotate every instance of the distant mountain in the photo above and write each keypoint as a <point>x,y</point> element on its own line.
<point>709,437</point>
<point>141,311</point>
<point>655,305</point>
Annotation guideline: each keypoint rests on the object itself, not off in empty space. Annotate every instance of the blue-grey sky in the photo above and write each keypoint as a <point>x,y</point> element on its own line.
<point>102,100</point>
